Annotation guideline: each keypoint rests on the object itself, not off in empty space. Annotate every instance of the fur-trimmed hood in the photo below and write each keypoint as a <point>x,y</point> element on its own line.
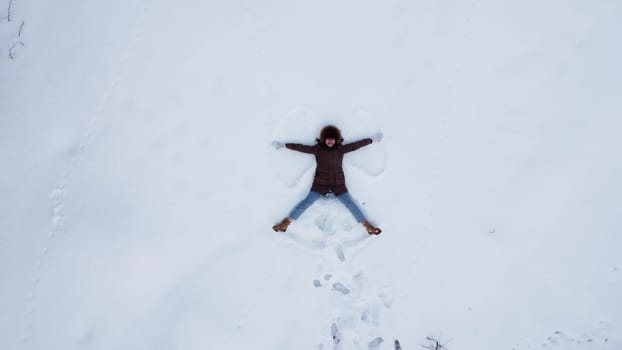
<point>330,132</point>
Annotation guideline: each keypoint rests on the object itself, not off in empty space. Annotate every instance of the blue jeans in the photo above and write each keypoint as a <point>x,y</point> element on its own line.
<point>344,198</point>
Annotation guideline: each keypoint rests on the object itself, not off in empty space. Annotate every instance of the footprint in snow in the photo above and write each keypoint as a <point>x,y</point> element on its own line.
<point>336,335</point>
<point>339,287</point>
<point>375,344</point>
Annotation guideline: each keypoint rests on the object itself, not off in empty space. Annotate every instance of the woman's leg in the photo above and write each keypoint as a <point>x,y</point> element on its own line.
<point>297,211</point>
<point>354,209</point>
<point>347,200</point>
<point>304,205</point>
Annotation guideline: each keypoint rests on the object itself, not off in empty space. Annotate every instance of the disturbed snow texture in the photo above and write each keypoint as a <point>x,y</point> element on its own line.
<point>139,186</point>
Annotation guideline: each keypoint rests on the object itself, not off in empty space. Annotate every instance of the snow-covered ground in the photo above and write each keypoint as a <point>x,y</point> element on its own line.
<point>139,186</point>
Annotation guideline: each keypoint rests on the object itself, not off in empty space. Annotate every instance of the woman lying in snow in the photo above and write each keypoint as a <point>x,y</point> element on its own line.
<point>329,175</point>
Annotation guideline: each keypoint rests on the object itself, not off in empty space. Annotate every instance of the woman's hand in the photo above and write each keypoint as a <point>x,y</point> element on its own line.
<point>377,137</point>
<point>277,145</point>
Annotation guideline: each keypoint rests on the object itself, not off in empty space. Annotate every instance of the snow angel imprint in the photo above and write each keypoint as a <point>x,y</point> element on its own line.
<point>329,176</point>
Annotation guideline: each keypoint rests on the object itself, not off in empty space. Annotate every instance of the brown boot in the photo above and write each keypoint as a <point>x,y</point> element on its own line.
<point>282,226</point>
<point>371,229</point>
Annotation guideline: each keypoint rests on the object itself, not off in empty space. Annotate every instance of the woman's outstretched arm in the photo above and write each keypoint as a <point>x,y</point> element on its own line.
<point>293,146</point>
<point>356,145</point>
<point>300,147</point>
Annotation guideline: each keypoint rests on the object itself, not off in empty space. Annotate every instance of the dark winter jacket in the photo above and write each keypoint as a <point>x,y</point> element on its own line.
<point>329,175</point>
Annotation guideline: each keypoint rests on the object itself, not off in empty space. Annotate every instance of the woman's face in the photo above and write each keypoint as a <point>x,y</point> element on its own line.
<point>330,142</point>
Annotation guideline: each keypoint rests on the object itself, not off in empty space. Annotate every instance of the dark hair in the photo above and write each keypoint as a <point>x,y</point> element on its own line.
<point>331,132</point>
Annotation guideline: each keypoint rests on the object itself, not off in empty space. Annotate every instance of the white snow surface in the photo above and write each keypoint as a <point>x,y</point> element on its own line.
<point>139,186</point>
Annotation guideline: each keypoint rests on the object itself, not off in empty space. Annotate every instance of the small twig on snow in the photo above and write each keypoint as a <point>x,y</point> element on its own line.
<point>8,16</point>
<point>11,56</point>
<point>436,345</point>
<point>21,28</point>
